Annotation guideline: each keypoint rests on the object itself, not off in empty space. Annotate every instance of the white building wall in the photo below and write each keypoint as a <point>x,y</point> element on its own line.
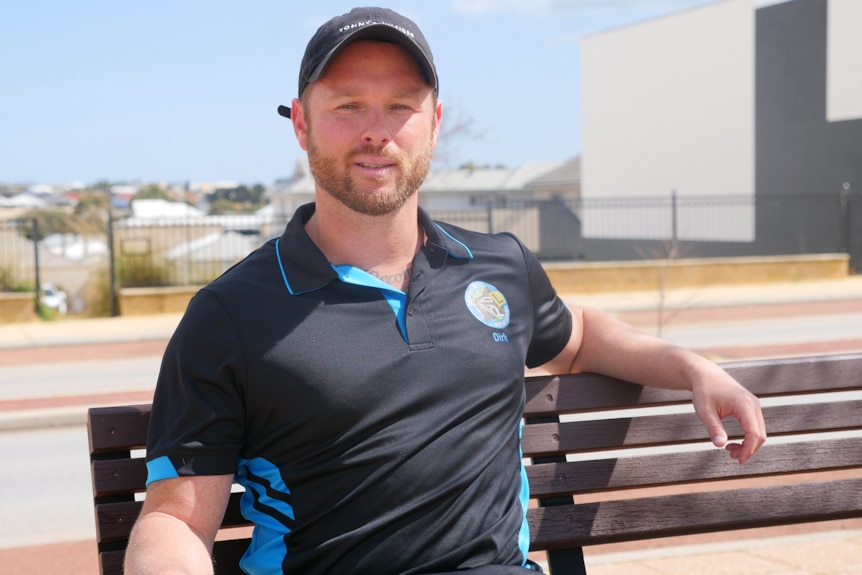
<point>844,61</point>
<point>668,104</point>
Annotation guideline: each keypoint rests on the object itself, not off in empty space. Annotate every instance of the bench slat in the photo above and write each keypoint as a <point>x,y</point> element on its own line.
<point>118,427</point>
<point>680,428</point>
<point>799,374</point>
<point>574,478</point>
<point>553,395</point>
<point>567,526</point>
<point>226,556</point>
<point>587,391</point>
<point>114,520</point>
<point>118,476</point>
<point>111,562</point>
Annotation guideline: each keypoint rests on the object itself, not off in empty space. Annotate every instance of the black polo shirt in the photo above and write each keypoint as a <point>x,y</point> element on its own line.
<point>374,431</point>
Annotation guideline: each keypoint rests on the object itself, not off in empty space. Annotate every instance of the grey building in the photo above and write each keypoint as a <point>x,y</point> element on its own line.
<point>750,111</point>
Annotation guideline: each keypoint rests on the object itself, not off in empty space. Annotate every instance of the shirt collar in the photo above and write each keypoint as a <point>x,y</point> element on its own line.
<point>304,268</point>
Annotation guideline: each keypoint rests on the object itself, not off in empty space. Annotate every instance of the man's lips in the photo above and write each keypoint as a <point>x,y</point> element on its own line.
<point>373,160</point>
<point>375,165</point>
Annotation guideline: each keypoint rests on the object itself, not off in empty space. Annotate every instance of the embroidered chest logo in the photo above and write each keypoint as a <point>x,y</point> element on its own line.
<point>487,304</point>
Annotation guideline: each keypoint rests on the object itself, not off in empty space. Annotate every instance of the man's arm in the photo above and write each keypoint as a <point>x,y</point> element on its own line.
<point>178,523</point>
<point>602,344</point>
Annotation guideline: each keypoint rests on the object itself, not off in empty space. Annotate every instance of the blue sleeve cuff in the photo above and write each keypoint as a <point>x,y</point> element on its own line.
<point>160,468</point>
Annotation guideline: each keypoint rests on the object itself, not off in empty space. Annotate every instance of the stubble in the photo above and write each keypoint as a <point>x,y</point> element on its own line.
<point>375,197</point>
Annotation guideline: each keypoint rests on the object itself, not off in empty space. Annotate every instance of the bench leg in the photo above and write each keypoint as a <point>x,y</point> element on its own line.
<point>567,562</point>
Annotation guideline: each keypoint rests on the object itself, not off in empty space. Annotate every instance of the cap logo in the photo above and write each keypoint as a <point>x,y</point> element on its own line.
<point>487,304</point>
<point>356,25</point>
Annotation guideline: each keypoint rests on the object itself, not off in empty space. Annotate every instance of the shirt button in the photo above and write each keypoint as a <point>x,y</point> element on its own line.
<point>410,311</point>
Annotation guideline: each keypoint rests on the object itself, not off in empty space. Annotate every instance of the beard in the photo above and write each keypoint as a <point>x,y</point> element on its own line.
<point>332,174</point>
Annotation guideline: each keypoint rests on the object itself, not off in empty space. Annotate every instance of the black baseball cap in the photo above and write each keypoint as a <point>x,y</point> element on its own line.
<point>363,24</point>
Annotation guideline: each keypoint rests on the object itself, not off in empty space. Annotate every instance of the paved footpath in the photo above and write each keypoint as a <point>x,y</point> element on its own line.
<point>833,548</point>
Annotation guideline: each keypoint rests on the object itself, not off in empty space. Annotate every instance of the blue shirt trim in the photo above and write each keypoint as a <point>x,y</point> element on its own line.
<point>460,243</point>
<point>160,468</point>
<point>281,267</point>
<point>524,534</point>
<point>396,298</point>
<point>265,502</point>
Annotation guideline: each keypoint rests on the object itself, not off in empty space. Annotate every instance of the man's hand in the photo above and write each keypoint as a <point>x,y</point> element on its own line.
<point>600,343</point>
<point>720,396</point>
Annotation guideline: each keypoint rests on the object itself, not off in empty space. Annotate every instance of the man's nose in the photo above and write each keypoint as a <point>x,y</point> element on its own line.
<point>376,130</point>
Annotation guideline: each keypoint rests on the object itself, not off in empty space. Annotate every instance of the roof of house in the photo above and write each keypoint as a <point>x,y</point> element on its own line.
<point>566,174</point>
<point>158,208</point>
<point>530,175</point>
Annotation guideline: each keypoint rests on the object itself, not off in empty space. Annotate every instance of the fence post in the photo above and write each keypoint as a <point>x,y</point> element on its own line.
<point>36,272</point>
<point>845,217</point>
<point>674,216</point>
<point>112,269</point>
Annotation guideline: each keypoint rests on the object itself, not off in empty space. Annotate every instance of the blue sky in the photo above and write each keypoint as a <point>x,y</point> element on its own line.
<point>186,90</point>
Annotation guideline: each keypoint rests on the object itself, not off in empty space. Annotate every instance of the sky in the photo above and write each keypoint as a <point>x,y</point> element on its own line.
<point>186,90</point>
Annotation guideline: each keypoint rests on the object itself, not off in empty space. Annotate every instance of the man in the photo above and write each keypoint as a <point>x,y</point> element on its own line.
<point>362,376</point>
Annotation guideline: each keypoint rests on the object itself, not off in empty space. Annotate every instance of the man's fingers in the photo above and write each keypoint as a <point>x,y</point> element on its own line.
<point>751,444</point>
<point>755,433</point>
<point>724,397</point>
<point>742,452</point>
<point>714,427</point>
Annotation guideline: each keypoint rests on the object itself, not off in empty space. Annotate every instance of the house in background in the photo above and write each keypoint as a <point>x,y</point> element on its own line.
<point>462,189</point>
<point>530,201</point>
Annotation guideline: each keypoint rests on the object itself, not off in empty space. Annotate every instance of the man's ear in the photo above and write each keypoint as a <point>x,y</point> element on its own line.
<point>438,115</point>
<point>300,125</point>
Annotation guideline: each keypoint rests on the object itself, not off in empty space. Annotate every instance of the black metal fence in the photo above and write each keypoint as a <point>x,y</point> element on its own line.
<point>612,229</point>
<point>19,258</point>
<point>193,251</point>
<point>184,251</point>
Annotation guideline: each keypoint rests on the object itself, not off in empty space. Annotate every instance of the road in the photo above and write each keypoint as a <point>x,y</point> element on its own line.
<point>45,476</point>
<point>45,487</point>
<point>771,331</point>
<point>78,377</point>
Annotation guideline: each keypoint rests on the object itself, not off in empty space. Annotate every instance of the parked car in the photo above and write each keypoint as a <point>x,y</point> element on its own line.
<point>54,298</point>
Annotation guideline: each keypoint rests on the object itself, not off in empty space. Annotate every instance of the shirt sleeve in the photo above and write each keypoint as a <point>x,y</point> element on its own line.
<point>552,325</point>
<point>197,421</point>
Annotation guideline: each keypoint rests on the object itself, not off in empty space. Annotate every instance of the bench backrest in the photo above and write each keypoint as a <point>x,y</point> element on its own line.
<point>610,461</point>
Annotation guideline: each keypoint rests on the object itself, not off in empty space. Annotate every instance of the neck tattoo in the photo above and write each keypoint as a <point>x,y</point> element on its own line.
<point>399,280</point>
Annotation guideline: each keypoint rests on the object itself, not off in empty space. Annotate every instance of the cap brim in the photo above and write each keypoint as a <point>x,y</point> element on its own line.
<point>284,111</point>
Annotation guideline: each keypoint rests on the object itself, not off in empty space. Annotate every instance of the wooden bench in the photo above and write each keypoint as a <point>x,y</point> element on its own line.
<point>611,462</point>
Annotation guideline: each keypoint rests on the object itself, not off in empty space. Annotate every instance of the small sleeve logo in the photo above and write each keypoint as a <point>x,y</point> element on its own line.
<point>487,304</point>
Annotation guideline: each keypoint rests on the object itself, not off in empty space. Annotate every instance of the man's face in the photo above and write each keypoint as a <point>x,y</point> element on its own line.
<point>369,125</point>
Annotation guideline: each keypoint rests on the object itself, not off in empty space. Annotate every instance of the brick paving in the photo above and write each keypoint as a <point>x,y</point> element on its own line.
<point>65,353</point>
<point>65,558</point>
